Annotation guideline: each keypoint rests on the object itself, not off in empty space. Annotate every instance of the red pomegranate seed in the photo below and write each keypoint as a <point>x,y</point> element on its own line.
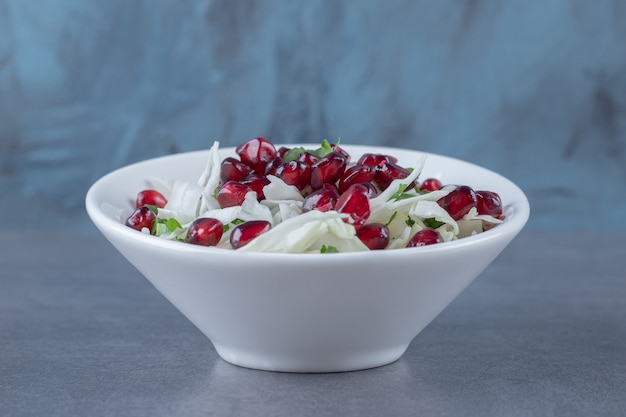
<point>431,184</point>
<point>245,232</point>
<point>389,171</point>
<point>355,175</point>
<point>308,158</point>
<point>233,193</point>
<point>282,151</point>
<point>295,173</point>
<point>374,235</point>
<point>330,187</point>
<point>459,201</point>
<point>256,182</point>
<point>372,191</point>
<point>328,170</point>
<point>205,232</point>
<point>323,199</point>
<point>489,203</point>
<point>233,170</point>
<point>425,237</point>
<point>339,149</point>
<point>374,159</point>
<point>140,218</point>
<point>354,201</point>
<point>256,153</point>
<point>272,166</point>
<point>150,197</point>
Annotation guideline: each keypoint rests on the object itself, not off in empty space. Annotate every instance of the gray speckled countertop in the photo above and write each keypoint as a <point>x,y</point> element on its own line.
<point>542,332</point>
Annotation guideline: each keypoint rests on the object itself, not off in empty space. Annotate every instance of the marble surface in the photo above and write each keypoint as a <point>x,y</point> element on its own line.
<point>542,332</point>
<point>534,90</point>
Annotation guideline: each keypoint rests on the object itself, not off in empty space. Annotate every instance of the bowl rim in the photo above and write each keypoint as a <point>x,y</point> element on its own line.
<point>510,227</point>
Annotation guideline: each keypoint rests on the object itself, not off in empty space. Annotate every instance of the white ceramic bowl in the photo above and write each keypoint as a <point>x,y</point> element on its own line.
<point>307,312</point>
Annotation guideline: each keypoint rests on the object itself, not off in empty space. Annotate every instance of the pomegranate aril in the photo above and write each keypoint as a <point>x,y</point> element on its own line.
<point>328,186</point>
<point>256,153</point>
<point>272,166</point>
<point>340,150</point>
<point>355,175</point>
<point>308,158</point>
<point>389,171</point>
<point>374,235</point>
<point>372,191</point>
<point>233,169</point>
<point>296,173</point>
<point>425,237</point>
<point>282,151</point>
<point>232,193</point>
<point>489,203</point>
<point>430,184</point>
<point>459,201</point>
<point>256,183</point>
<point>323,199</point>
<point>140,218</point>
<point>151,198</point>
<point>328,170</point>
<point>205,231</point>
<point>355,202</point>
<point>245,232</point>
<point>374,159</point>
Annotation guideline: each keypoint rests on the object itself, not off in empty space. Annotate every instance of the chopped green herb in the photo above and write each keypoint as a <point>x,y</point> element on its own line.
<point>152,208</point>
<point>217,190</point>
<point>293,153</point>
<point>400,194</point>
<point>393,216</point>
<point>329,249</point>
<point>163,226</point>
<point>320,152</point>
<point>432,223</point>
<point>323,150</point>
<point>173,224</point>
<point>409,221</point>
<point>158,228</point>
<point>234,222</point>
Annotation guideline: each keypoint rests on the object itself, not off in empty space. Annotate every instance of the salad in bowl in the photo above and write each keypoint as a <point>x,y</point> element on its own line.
<point>308,258</point>
<point>311,200</point>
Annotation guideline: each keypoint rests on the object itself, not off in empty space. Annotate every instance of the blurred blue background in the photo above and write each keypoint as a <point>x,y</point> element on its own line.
<point>535,90</point>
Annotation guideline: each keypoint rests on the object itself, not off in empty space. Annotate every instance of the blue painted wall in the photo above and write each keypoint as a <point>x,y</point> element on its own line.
<point>533,89</point>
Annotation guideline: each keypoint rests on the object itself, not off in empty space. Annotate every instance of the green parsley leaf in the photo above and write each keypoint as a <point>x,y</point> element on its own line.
<point>393,216</point>
<point>400,194</point>
<point>152,208</point>
<point>163,226</point>
<point>329,249</point>
<point>293,153</point>
<point>173,224</point>
<point>323,150</point>
<point>432,223</point>
<point>159,227</point>
<point>409,221</point>
<point>320,152</point>
<point>237,221</point>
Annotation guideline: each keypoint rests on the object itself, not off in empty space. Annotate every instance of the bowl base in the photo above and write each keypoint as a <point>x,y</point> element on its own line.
<point>302,363</point>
